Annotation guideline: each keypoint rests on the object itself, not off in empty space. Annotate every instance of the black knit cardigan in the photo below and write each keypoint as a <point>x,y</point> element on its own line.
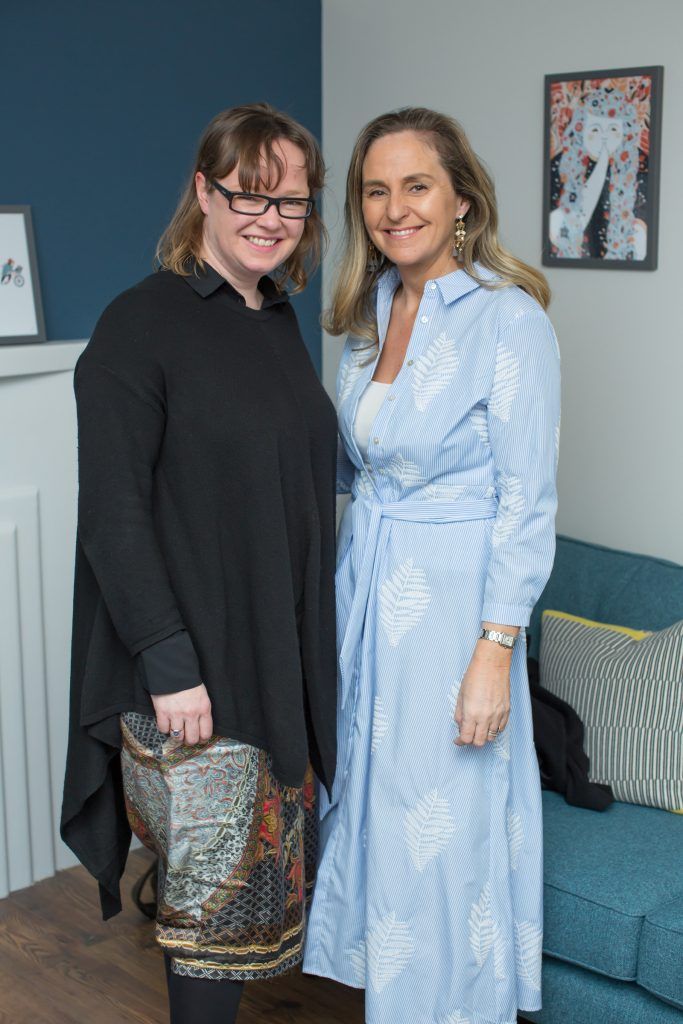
<point>206,505</point>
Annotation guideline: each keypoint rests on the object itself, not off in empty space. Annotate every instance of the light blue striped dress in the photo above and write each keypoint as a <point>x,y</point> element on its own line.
<point>429,891</point>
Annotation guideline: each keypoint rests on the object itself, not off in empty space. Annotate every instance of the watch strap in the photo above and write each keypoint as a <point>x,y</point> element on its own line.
<point>495,635</point>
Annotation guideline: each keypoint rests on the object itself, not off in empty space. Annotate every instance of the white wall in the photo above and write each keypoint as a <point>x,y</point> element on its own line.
<point>621,464</point>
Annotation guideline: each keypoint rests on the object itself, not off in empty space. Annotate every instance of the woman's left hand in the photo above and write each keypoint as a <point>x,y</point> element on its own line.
<point>483,706</point>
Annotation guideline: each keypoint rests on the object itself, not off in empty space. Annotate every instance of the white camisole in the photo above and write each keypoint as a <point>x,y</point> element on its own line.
<point>368,407</point>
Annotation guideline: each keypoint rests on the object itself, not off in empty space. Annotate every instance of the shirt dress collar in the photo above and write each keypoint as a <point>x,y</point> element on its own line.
<point>451,286</point>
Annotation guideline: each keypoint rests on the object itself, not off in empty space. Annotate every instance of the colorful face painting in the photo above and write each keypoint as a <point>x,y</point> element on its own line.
<point>602,141</point>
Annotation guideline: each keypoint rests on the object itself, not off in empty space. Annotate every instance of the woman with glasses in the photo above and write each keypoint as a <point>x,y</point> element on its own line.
<point>429,889</point>
<point>203,678</point>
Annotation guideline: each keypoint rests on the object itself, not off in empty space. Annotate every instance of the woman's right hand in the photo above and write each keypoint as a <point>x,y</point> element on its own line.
<point>187,713</point>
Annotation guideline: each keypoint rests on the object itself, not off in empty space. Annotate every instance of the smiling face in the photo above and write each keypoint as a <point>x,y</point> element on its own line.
<point>244,247</point>
<point>602,131</point>
<point>409,204</point>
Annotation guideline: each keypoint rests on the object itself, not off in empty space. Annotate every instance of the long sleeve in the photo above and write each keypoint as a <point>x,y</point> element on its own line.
<point>121,421</point>
<point>354,357</point>
<point>170,665</point>
<point>345,469</point>
<point>523,415</point>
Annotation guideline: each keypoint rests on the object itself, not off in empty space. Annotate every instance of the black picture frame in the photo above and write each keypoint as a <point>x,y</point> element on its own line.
<point>621,231</point>
<point>18,236</point>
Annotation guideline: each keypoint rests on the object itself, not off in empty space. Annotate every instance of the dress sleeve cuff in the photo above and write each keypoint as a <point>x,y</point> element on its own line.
<point>507,614</point>
<point>171,665</point>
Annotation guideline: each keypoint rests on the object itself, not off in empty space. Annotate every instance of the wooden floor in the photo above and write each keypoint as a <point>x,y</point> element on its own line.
<point>61,964</point>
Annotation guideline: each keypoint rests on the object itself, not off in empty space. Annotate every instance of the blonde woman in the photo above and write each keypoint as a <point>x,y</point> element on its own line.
<point>203,673</point>
<point>429,891</point>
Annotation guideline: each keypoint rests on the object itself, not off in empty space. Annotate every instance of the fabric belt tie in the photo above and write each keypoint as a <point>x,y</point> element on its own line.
<point>366,523</point>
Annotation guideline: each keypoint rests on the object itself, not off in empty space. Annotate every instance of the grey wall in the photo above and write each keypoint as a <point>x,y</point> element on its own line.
<point>621,463</point>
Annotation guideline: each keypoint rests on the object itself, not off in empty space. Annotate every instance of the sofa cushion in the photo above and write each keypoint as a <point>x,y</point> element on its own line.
<point>573,996</point>
<point>604,872</point>
<point>610,586</point>
<point>627,688</point>
<point>660,958</point>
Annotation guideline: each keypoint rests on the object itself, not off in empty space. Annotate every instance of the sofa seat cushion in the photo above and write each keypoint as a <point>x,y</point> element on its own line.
<point>660,958</point>
<point>604,873</point>
<point>573,996</point>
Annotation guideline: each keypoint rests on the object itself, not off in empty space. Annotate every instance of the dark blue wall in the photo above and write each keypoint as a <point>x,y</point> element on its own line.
<point>104,105</point>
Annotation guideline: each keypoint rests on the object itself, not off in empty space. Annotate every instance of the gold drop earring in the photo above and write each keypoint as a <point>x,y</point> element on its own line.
<point>374,258</point>
<point>459,237</point>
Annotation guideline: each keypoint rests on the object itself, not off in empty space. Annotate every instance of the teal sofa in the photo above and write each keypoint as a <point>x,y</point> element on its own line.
<point>613,895</point>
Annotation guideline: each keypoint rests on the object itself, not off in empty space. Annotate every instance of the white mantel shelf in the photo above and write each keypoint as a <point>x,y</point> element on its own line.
<point>46,357</point>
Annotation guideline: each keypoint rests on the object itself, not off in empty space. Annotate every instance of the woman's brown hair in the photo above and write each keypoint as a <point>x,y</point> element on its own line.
<point>246,136</point>
<point>351,311</point>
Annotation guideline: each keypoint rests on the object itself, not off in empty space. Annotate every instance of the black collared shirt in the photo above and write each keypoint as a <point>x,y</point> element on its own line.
<point>208,281</point>
<point>206,511</point>
<point>171,665</point>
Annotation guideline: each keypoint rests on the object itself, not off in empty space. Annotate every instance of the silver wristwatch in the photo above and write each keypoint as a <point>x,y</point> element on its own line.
<point>504,639</point>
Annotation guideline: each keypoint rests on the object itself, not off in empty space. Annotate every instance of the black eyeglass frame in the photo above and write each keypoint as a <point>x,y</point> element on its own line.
<point>268,200</point>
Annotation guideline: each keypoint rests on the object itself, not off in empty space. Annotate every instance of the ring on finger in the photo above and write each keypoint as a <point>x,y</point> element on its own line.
<point>176,732</point>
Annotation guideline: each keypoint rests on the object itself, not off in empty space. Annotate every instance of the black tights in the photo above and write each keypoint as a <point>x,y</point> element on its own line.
<point>200,1001</point>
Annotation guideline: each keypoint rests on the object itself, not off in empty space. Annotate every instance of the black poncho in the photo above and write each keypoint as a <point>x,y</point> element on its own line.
<point>206,504</point>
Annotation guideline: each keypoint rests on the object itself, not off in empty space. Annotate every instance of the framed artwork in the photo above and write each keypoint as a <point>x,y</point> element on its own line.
<point>21,309</point>
<point>601,160</point>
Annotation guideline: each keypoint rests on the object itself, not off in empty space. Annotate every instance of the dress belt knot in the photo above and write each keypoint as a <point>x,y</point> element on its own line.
<point>366,523</point>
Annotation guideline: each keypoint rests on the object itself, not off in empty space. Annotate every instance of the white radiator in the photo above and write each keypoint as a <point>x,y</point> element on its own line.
<point>37,534</point>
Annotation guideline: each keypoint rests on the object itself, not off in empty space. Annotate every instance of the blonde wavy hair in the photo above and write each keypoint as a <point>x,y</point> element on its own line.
<point>352,311</point>
<point>246,136</point>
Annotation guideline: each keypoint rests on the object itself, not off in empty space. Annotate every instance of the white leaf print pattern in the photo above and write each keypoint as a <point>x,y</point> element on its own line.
<point>390,948</point>
<point>499,953</point>
<point>444,492</point>
<point>403,600</point>
<point>454,1018</point>
<point>510,508</point>
<point>453,696</point>
<point>479,420</point>
<point>357,958</point>
<point>481,926</point>
<point>515,837</point>
<point>501,744</point>
<point>452,703</point>
<point>428,827</point>
<point>505,383</point>
<point>364,484</point>
<point>434,370</point>
<point>350,372</point>
<point>404,472</point>
<point>380,724</point>
<point>528,949</point>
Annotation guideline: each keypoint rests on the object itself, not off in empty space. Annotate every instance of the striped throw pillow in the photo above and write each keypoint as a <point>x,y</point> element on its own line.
<point>626,686</point>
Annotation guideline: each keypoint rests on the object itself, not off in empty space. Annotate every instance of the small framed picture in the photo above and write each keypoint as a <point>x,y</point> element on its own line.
<point>21,309</point>
<point>601,162</point>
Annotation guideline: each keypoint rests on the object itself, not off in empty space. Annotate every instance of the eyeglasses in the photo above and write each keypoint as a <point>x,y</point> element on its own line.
<point>255,205</point>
